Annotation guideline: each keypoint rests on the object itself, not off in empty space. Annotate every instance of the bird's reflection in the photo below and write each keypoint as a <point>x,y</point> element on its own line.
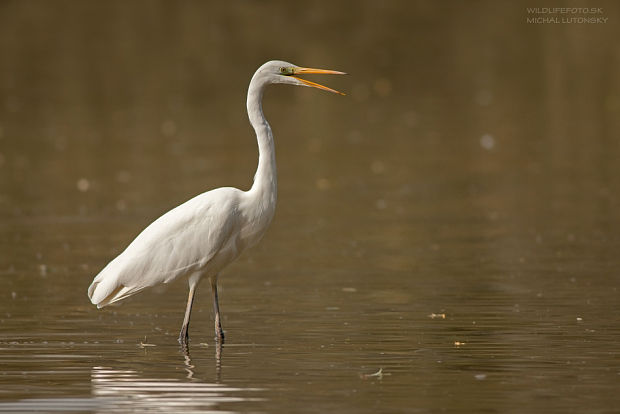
<point>189,367</point>
<point>123,390</point>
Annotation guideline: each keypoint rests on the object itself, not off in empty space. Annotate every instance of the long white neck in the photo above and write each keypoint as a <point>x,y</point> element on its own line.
<point>264,188</point>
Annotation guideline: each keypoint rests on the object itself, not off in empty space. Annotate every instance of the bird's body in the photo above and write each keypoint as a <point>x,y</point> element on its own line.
<point>202,236</point>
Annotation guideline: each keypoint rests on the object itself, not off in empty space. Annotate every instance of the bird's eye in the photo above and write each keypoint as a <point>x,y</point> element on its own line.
<point>282,69</point>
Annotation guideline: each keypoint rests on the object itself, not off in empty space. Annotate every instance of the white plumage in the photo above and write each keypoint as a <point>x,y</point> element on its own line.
<point>182,241</point>
<point>201,236</point>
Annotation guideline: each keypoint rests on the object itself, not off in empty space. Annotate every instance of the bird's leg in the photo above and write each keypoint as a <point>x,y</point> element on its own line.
<point>219,332</point>
<point>184,335</point>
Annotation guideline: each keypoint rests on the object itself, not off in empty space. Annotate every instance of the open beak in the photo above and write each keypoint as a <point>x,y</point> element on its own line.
<point>303,71</point>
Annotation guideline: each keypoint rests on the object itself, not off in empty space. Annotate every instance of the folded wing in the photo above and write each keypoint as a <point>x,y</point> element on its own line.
<point>182,241</point>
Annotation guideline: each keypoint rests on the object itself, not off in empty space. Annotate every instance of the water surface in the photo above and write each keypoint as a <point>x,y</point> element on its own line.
<point>446,237</point>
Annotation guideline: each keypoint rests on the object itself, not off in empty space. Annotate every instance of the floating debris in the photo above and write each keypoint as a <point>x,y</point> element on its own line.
<point>437,316</point>
<point>379,374</point>
<point>349,289</point>
<point>145,344</point>
<point>458,343</point>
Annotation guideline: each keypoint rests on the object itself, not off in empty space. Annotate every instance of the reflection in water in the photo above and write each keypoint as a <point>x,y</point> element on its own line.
<point>49,405</point>
<point>117,390</point>
<point>189,366</point>
<point>129,390</point>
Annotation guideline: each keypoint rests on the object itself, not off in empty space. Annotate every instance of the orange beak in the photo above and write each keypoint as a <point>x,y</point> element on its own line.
<point>303,71</point>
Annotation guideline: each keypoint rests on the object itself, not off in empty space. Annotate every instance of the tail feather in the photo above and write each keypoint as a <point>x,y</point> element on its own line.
<point>103,289</point>
<point>108,286</point>
<point>103,294</point>
<point>109,298</point>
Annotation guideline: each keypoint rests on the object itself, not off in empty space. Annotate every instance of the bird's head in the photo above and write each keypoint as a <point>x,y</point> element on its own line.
<point>278,71</point>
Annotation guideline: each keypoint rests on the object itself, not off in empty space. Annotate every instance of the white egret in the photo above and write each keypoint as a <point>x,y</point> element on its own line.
<point>203,235</point>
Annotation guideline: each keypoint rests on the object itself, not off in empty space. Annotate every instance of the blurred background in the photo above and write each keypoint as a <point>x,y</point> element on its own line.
<point>471,171</point>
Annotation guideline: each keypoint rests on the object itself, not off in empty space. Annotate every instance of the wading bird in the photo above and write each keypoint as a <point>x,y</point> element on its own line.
<point>203,235</point>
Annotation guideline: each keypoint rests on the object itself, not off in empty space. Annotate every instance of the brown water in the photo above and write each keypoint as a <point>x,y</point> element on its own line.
<point>447,236</point>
